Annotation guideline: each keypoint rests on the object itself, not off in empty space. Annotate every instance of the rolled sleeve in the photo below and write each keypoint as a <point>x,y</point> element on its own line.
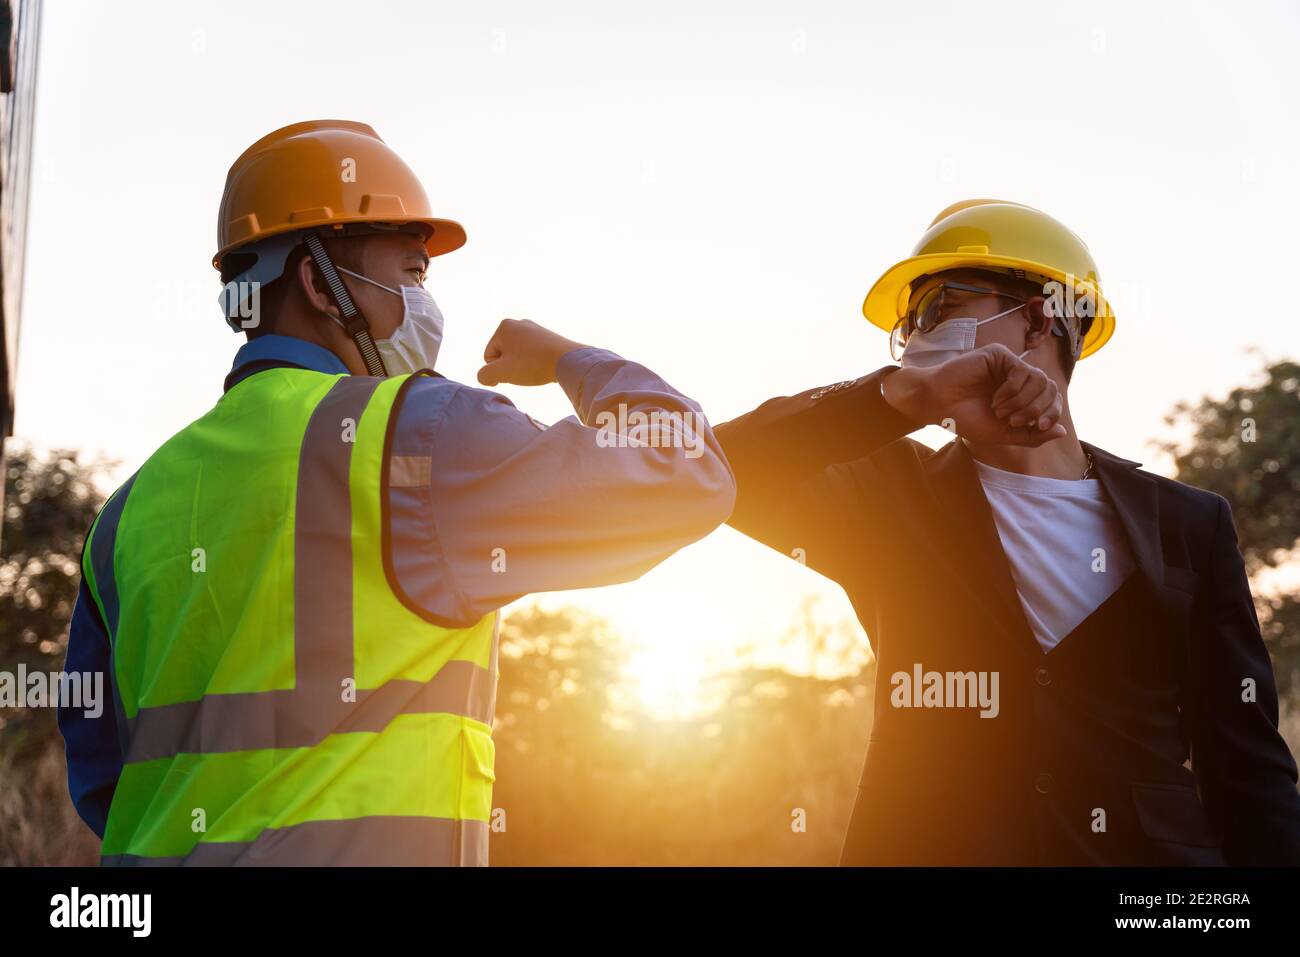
<point>511,508</point>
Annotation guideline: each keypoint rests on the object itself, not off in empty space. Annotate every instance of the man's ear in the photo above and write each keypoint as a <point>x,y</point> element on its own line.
<point>1040,323</point>
<point>314,289</point>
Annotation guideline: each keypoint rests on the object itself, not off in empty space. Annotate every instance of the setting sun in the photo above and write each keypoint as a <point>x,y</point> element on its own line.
<point>667,684</point>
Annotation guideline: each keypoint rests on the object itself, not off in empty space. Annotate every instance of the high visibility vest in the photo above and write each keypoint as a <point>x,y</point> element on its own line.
<point>279,697</point>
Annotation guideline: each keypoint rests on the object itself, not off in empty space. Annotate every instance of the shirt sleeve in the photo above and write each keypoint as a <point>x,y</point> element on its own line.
<point>800,463</point>
<point>1246,773</point>
<point>90,742</point>
<point>510,507</point>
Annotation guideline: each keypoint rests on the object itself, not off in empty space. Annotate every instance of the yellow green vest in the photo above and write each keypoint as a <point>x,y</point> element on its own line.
<point>279,699</point>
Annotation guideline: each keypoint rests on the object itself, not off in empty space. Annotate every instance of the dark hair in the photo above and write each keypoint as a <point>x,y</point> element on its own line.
<point>1067,357</point>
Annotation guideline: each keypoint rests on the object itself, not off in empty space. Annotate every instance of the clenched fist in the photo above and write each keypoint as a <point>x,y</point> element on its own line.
<point>521,352</point>
<point>987,395</point>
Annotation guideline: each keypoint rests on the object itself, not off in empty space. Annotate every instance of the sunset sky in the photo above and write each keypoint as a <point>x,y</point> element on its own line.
<point>711,194</point>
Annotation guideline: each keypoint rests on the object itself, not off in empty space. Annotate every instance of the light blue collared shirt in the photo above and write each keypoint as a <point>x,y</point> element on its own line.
<point>509,507</point>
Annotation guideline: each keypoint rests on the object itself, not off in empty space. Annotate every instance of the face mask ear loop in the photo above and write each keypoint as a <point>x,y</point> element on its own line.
<point>1004,312</point>
<point>353,321</point>
<point>357,275</point>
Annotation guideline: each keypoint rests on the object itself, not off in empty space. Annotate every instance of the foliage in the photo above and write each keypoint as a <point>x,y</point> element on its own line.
<point>585,777</point>
<point>50,502</point>
<point>1246,447</point>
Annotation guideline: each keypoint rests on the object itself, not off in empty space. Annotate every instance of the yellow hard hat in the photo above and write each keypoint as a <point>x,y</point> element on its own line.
<point>323,174</point>
<point>995,234</point>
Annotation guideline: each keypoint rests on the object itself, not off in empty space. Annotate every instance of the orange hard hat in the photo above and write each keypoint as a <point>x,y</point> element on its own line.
<point>325,175</point>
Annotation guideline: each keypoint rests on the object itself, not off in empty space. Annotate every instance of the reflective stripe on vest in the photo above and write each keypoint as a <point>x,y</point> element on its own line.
<point>267,719</point>
<point>366,841</point>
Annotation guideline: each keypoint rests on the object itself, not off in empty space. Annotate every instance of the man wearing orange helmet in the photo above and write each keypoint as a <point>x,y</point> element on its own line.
<point>1068,665</point>
<point>296,599</point>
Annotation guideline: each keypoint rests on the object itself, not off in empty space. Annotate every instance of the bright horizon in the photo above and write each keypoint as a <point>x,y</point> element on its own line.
<point>710,194</point>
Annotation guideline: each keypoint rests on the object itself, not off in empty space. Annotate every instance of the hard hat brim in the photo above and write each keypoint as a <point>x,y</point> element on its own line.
<point>885,303</point>
<point>445,235</point>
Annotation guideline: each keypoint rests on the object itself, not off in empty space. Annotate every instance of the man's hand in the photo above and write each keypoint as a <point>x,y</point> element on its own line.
<point>523,353</point>
<point>988,396</point>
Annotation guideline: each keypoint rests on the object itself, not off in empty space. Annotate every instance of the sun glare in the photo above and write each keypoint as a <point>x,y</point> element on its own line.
<point>668,685</point>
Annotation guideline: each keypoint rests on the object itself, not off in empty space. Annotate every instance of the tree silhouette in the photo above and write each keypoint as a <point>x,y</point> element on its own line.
<point>50,501</point>
<point>586,777</point>
<point>1246,447</point>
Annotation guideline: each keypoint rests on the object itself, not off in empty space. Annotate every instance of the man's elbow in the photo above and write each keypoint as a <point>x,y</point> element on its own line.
<point>710,496</point>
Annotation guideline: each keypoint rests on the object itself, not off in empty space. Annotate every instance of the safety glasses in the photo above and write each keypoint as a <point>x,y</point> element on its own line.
<point>928,312</point>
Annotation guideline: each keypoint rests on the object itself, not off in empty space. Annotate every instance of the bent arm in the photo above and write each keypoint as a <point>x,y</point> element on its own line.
<point>517,508</point>
<point>794,490</point>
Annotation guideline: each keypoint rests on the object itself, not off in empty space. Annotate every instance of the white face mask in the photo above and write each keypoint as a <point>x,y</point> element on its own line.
<point>945,341</point>
<point>414,346</point>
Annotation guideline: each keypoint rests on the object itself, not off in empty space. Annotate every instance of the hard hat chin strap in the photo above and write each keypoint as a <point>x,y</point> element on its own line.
<point>353,321</point>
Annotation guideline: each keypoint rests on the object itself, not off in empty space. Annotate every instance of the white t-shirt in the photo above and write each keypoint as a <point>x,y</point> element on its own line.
<point>1067,549</point>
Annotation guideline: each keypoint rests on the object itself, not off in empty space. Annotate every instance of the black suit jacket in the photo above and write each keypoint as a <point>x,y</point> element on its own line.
<point>1132,745</point>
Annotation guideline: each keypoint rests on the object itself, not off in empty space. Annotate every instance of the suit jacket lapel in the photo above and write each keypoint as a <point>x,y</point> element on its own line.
<point>980,560</point>
<point>1136,499</point>
<point>1134,496</point>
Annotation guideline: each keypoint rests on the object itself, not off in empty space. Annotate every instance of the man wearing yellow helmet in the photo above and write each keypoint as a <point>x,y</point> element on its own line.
<point>1069,669</point>
<point>296,598</point>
